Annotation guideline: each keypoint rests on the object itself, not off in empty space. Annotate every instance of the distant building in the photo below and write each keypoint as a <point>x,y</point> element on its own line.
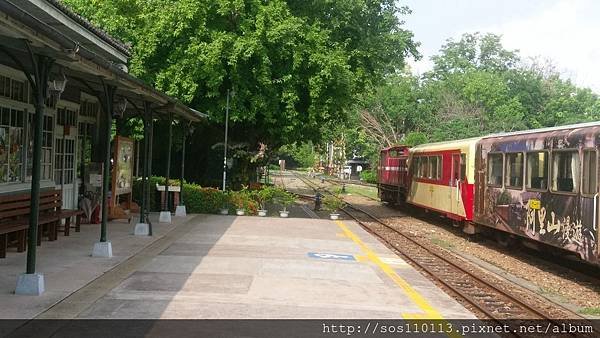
<point>355,166</point>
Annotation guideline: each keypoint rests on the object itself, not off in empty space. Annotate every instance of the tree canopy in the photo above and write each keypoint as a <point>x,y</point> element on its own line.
<point>476,87</point>
<point>294,65</point>
<point>306,72</point>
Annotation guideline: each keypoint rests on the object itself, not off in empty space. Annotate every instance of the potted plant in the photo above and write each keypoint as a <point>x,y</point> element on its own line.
<point>333,203</point>
<point>239,200</point>
<point>263,196</point>
<point>285,199</point>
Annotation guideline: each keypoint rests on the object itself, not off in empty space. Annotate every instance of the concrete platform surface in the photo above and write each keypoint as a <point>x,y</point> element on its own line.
<point>248,267</point>
<point>67,264</point>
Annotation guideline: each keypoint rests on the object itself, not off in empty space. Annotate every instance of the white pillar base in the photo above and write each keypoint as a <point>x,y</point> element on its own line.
<point>180,211</point>
<point>141,229</point>
<point>30,284</point>
<point>102,249</point>
<point>165,217</point>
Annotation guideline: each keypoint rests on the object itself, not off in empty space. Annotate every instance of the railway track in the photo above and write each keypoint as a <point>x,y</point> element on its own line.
<point>336,182</point>
<point>486,295</point>
<point>463,281</point>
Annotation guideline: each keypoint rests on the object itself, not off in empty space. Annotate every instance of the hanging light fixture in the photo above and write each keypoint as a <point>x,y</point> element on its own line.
<point>57,86</point>
<point>119,107</point>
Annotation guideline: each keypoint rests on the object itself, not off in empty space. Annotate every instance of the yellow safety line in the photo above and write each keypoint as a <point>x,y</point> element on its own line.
<point>389,271</point>
<point>429,311</point>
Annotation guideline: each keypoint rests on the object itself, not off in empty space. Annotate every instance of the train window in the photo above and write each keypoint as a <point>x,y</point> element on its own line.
<point>424,167</point>
<point>565,171</point>
<point>589,177</point>
<point>495,169</point>
<point>537,170</point>
<point>415,166</point>
<point>514,170</point>
<point>434,167</point>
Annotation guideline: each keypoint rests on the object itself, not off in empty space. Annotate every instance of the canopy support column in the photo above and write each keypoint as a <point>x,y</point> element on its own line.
<point>165,214</point>
<point>103,248</point>
<point>181,209</point>
<point>143,227</point>
<point>32,283</point>
<point>150,146</point>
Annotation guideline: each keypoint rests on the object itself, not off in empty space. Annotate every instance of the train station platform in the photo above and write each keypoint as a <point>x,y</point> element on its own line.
<point>67,264</point>
<point>212,266</point>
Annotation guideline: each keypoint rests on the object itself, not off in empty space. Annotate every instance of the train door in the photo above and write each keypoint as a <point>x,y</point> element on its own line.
<point>597,208</point>
<point>589,190</point>
<point>596,220</point>
<point>457,174</point>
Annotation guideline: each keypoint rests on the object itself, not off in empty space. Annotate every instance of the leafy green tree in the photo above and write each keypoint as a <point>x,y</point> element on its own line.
<point>414,139</point>
<point>303,153</point>
<point>294,65</point>
<point>476,87</point>
<point>473,52</point>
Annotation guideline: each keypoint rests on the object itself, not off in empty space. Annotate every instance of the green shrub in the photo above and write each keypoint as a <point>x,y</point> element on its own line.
<point>200,200</point>
<point>264,195</point>
<point>154,195</point>
<point>283,197</point>
<point>242,199</point>
<point>196,198</point>
<point>414,139</point>
<point>368,176</point>
<point>333,203</point>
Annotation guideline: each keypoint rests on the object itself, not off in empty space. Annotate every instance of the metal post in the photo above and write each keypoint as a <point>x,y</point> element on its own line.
<point>225,147</point>
<point>41,65</point>
<point>109,93</point>
<point>168,173</point>
<point>137,157</point>
<point>143,193</point>
<point>185,130</point>
<point>147,121</point>
<point>149,163</point>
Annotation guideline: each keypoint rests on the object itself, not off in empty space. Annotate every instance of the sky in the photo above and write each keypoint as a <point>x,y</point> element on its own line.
<point>567,32</point>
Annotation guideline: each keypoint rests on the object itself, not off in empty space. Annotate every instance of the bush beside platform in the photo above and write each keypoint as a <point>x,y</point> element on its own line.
<point>202,200</point>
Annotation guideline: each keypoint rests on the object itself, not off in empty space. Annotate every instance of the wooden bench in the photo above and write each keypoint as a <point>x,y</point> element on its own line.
<point>14,218</point>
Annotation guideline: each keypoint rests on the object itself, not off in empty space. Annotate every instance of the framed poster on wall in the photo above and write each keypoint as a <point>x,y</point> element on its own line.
<point>123,166</point>
<point>122,177</point>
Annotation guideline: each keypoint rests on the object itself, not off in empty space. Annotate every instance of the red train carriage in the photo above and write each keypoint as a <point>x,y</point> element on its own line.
<point>392,174</point>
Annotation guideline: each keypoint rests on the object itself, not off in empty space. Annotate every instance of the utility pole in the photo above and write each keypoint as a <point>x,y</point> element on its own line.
<point>225,148</point>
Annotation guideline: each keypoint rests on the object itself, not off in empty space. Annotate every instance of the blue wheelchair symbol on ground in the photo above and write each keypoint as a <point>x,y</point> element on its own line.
<point>322,255</point>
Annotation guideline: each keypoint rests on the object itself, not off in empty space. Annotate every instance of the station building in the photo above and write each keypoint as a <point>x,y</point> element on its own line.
<point>63,83</point>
